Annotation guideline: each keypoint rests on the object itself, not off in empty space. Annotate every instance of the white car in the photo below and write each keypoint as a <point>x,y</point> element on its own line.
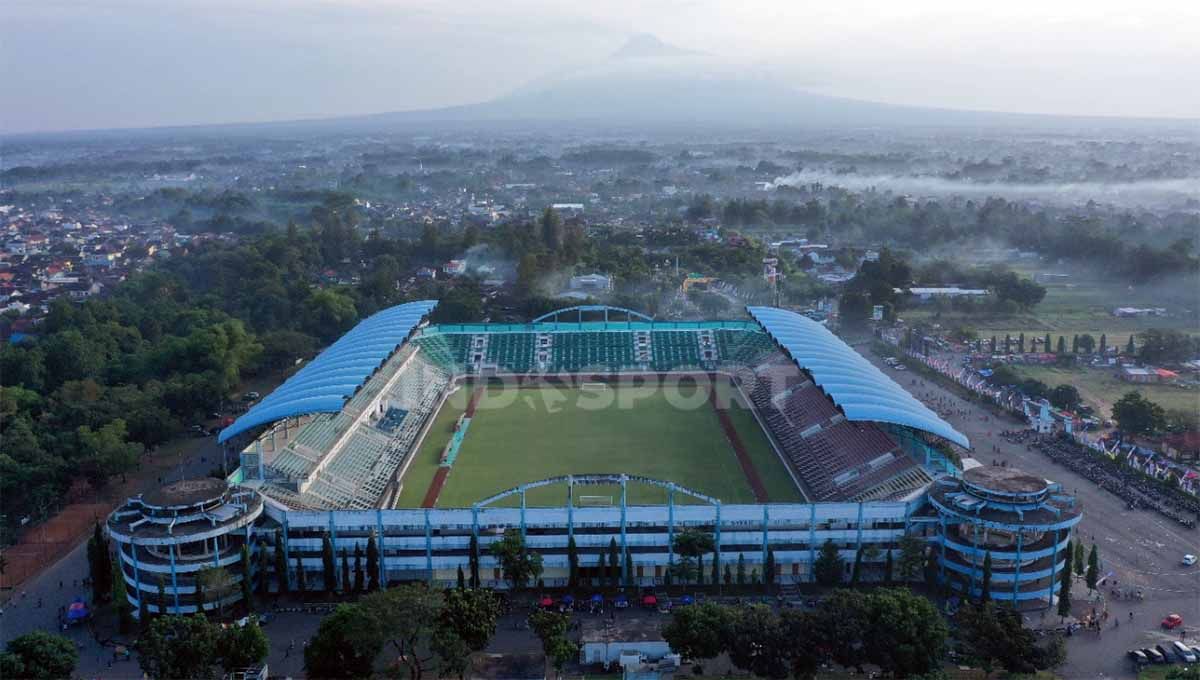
<point>1189,560</point>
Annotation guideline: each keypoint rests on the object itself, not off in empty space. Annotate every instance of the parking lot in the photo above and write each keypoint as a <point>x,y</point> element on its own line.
<point>1139,549</point>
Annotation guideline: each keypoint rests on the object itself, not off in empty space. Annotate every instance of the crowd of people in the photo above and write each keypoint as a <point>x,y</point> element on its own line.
<point>1134,487</point>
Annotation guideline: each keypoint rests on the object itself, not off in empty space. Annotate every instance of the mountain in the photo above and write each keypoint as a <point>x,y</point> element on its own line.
<point>650,83</point>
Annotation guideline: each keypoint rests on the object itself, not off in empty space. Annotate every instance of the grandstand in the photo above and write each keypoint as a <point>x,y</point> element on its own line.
<point>838,430</point>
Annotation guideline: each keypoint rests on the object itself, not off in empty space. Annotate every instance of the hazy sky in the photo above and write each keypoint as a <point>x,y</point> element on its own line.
<point>137,63</point>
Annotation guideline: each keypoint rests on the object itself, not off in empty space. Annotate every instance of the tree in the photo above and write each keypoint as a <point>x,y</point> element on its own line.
<point>215,580</point>
<point>888,574</point>
<point>520,565</point>
<point>614,563</point>
<point>741,570</point>
<point>905,633</point>
<point>602,568</point>
<point>986,590</point>
<point>247,577</point>
<point>628,571</point>
<point>769,570</point>
<point>912,557</point>
<point>857,568</point>
<point>179,647</point>
<point>466,624</point>
<point>460,579</point>
<point>1137,415</point>
<point>358,569</point>
<point>162,596</point>
<point>39,655</point>
<point>1130,347</point>
<point>100,567</point>
<point>995,636</point>
<point>758,642</point>
<point>1062,345</point>
<point>572,563</point>
<point>1065,397</point>
<point>345,645</point>
<point>1079,557</point>
<point>727,578</point>
<point>281,571</point>
<point>714,576</point>
<point>1021,343</point>
<point>242,646</point>
<point>264,574</point>
<point>1103,344</point>
<point>698,631</point>
<point>328,565</point>
<point>121,602</point>
<point>373,563</point>
<point>301,578</point>
<point>1093,568</point>
<point>828,566</point>
<point>473,560</point>
<point>1046,343</point>
<point>406,617</point>
<point>345,571</point>
<point>691,545</point>
<point>1064,592</point>
<point>551,629</point>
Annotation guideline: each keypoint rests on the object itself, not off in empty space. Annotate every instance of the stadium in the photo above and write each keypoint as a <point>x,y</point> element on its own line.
<point>598,425</point>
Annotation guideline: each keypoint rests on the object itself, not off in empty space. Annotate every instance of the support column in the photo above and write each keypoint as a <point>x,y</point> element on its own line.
<point>137,581</point>
<point>812,541</point>
<point>1017,575</point>
<point>174,577</point>
<point>766,522</point>
<point>717,541</point>
<point>428,546</point>
<point>670,525</point>
<point>624,546</point>
<point>1053,563</point>
<point>522,515</point>
<point>379,548</point>
<point>337,574</point>
<point>570,506</point>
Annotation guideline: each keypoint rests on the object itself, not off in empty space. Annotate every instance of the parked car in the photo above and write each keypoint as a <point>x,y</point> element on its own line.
<point>1167,655</point>
<point>1189,560</point>
<point>1183,652</point>
<point>1172,621</point>
<point>1153,655</point>
<point>1138,657</point>
<point>251,396</point>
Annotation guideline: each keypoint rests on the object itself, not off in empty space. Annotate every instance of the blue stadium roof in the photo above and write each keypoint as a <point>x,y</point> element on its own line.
<point>861,390</point>
<point>324,384</point>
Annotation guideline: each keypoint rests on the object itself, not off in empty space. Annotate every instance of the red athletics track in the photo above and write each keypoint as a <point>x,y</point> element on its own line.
<point>439,477</point>
<point>751,472</point>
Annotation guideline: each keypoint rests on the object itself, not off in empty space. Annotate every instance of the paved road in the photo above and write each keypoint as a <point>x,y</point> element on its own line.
<point>21,613</point>
<point>1142,548</point>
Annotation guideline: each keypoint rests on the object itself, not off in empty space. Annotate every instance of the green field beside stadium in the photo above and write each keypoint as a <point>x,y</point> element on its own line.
<point>524,435</point>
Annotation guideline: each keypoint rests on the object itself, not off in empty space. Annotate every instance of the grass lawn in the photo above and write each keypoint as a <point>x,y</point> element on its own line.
<point>780,487</point>
<point>539,433</point>
<point>1100,388</point>
<point>1082,306</point>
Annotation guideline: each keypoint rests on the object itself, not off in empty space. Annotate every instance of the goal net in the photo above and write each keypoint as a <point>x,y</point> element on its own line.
<point>595,501</point>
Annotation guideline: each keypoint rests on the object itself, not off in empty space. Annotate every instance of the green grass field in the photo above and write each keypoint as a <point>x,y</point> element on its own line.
<point>1101,388</point>
<point>1081,306</point>
<point>539,433</point>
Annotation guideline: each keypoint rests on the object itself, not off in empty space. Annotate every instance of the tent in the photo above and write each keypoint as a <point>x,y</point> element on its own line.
<point>77,611</point>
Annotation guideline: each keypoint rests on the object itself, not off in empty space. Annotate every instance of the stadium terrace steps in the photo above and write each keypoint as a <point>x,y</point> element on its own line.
<point>836,459</point>
<point>589,348</point>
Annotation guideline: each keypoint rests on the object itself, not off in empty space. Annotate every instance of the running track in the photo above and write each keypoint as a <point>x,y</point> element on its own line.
<point>443,471</point>
<point>751,472</point>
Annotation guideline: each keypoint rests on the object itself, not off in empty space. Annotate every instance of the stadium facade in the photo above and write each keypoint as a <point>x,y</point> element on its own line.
<point>326,455</point>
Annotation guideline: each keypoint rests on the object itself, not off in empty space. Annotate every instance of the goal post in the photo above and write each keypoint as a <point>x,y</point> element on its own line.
<point>595,501</point>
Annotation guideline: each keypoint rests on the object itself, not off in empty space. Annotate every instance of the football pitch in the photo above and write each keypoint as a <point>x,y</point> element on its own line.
<point>521,435</point>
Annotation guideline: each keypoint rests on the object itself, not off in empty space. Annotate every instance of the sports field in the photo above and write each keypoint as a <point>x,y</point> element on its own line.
<point>523,435</point>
